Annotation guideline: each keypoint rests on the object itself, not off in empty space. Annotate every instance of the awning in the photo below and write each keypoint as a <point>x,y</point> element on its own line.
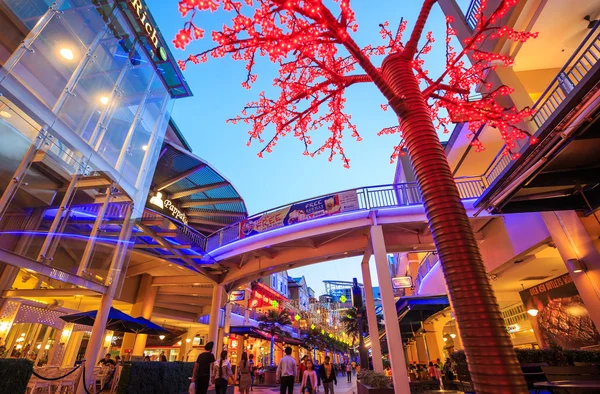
<point>189,190</point>
<point>412,310</point>
<point>255,332</point>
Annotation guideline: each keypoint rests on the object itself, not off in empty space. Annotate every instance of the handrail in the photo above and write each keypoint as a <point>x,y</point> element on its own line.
<point>380,196</point>
<point>471,16</point>
<point>570,75</point>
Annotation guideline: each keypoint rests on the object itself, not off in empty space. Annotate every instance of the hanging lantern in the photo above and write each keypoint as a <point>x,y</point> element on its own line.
<point>312,326</point>
<point>297,317</point>
<point>343,299</point>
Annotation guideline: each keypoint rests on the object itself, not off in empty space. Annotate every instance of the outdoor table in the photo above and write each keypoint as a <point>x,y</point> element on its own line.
<point>569,384</point>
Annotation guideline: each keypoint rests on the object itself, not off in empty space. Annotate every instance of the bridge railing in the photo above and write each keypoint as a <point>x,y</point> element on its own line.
<point>400,194</point>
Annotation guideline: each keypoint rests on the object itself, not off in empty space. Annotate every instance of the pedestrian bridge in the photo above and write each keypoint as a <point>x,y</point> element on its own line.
<point>330,227</point>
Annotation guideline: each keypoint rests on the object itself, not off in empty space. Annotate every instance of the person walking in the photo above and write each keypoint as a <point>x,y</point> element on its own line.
<point>221,374</point>
<point>245,374</point>
<point>349,372</point>
<point>202,368</point>
<point>309,379</point>
<point>327,375</point>
<point>286,372</point>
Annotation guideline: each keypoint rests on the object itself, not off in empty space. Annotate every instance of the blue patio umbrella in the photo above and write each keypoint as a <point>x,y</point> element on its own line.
<point>117,320</point>
<point>151,328</point>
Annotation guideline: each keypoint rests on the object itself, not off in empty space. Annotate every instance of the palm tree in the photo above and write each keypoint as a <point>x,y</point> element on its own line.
<point>272,322</point>
<point>356,330</point>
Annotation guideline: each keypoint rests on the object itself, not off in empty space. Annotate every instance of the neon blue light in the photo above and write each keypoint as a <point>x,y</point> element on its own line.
<point>65,235</point>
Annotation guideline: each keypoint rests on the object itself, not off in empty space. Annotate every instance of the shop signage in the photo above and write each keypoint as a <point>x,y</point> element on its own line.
<point>330,205</point>
<point>237,295</point>
<point>151,33</point>
<point>167,207</point>
<point>562,318</point>
<point>402,282</point>
<point>260,300</point>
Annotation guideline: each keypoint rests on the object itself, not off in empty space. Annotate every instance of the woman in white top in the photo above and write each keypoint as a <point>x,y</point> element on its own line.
<point>309,379</point>
<point>221,373</point>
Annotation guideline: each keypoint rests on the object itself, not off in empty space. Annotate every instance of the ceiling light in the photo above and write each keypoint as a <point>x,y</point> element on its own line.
<point>188,340</point>
<point>453,336</point>
<point>533,312</point>
<point>161,337</point>
<point>145,148</point>
<point>67,53</point>
<point>104,100</point>
<point>445,339</point>
<point>5,114</point>
<point>179,343</point>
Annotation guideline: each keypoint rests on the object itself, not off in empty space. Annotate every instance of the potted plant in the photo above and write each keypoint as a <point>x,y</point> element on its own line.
<point>270,374</point>
<point>370,382</point>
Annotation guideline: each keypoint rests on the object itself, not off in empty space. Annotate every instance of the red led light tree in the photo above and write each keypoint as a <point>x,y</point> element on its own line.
<point>317,60</point>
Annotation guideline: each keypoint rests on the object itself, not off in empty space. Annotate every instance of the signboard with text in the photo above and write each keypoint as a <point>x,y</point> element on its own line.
<point>237,295</point>
<point>562,318</point>
<point>333,204</point>
<point>402,282</point>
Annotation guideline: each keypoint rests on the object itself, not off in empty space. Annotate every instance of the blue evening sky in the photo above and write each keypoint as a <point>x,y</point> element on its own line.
<point>286,175</point>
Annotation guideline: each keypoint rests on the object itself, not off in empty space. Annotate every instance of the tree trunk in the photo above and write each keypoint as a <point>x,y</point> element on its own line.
<point>272,353</point>
<point>492,360</point>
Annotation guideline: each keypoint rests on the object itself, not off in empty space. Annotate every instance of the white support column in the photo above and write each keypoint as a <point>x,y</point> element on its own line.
<point>392,328</point>
<point>227,322</point>
<point>97,337</point>
<point>215,310</point>
<point>371,315</point>
<point>575,243</point>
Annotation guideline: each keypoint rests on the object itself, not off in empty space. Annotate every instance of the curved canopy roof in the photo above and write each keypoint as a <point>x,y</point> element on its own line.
<point>208,200</point>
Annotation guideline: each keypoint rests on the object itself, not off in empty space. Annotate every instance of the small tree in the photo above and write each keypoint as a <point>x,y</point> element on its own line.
<point>317,60</point>
<point>273,322</point>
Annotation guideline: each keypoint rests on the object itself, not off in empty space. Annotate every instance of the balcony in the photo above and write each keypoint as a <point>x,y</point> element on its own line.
<point>571,89</point>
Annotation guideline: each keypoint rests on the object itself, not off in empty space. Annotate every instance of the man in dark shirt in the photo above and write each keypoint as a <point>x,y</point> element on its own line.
<point>107,361</point>
<point>202,368</point>
<point>327,375</point>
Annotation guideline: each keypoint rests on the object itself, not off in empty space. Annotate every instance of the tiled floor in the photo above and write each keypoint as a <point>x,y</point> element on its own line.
<point>343,387</point>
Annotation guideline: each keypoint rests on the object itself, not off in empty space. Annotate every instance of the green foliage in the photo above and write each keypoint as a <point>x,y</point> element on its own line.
<point>155,378</point>
<point>374,380</point>
<point>14,375</point>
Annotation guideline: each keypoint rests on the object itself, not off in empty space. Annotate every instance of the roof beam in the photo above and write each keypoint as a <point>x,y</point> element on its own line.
<point>202,214</point>
<point>157,246</point>
<point>196,190</point>
<point>197,309</point>
<point>187,290</point>
<point>179,280</point>
<point>178,299</point>
<point>93,182</point>
<point>142,268</point>
<point>205,221</point>
<point>49,293</point>
<point>214,201</point>
<point>179,177</point>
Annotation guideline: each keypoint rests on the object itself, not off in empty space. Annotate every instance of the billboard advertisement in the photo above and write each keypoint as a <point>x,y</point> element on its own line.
<point>561,318</point>
<point>330,205</point>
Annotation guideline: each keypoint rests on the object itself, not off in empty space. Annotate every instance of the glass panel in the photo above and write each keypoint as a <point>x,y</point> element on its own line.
<point>28,11</point>
<point>126,104</point>
<point>152,119</point>
<point>58,50</point>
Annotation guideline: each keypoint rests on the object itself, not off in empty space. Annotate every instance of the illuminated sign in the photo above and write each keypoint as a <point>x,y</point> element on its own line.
<point>234,343</point>
<point>260,300</point>
<point>167,206</point>
<point>237,295</point>
<point>402,282</point>
<point>146,24</point>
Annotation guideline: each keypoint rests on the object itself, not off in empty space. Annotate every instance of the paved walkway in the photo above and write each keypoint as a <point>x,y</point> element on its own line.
<point>343,387</point>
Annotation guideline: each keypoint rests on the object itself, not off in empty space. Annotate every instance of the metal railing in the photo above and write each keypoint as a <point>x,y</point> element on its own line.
<point>401,194</point>
<point>428,262</point>
<point>573,72</point>
<point>473,13</point>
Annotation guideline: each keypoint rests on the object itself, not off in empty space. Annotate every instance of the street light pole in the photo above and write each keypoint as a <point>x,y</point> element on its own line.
<point>357,303</point>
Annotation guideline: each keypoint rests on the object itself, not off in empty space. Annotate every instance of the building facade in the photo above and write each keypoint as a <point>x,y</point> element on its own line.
<point>540,245</point>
